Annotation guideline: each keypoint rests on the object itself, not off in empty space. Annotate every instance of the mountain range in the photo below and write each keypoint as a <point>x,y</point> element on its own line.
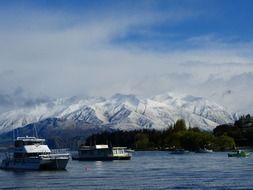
<point>125,112</point>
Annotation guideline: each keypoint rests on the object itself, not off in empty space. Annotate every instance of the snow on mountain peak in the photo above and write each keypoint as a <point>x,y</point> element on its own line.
<point>123,112</point>
<point>126,99</point>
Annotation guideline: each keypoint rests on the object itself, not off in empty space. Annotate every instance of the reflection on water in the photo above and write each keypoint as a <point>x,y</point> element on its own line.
<point>99,164</point>
<point>147,170</point>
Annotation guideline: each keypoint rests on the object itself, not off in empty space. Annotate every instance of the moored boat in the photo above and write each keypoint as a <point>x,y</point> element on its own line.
<point>180,151</point>
<point>101,153</point>
<point>239,153</point>
<point>32,153</point>
<point>204,150</point>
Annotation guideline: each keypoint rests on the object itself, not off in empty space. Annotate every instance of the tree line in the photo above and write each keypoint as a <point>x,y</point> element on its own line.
<point>241,131</point>
<point>174,137</point>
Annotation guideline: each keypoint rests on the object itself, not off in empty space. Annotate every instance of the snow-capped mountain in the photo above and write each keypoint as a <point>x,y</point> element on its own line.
<point>124,112</point>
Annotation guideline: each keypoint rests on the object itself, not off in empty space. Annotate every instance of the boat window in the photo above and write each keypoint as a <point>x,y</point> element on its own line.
<point>32,154</point>
<point>33,143</point>
<point>118,151</point>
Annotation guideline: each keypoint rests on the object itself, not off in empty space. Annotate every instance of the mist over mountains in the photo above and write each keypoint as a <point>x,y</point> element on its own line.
<point>125,112</point>
<point>232,92</point>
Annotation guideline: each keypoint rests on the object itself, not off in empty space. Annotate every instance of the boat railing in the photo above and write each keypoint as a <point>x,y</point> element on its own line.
<point>55,156</point>
<point>59,151</point>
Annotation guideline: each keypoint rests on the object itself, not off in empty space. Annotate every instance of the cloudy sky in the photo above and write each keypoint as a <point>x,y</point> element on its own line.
<point>99,48</point>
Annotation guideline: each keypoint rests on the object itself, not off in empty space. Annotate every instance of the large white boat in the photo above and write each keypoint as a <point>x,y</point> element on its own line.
<point>101,153</point>
<point>32,154</point>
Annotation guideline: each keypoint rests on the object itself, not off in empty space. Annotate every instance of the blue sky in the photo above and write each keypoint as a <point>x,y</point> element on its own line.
<point>98,48</point>
<point>228,19</point>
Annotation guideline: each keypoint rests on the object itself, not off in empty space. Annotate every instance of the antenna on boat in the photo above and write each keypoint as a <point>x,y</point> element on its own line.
<point>17,132</point>
<point>90,141</point>
<point>35,131</point>
<point>94,141</point>
<point>13,135</point>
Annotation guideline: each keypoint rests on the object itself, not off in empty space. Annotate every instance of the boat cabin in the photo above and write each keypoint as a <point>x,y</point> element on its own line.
<point>30,146</point>
<point>22,141</point>
<point>96,150</point>
<point>101,152</point>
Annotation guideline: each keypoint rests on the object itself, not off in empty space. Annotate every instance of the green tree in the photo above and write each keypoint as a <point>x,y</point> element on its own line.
<point>190,140</point>
<point>142,142</point>
<point>180,125</point>
<point>224,143</point>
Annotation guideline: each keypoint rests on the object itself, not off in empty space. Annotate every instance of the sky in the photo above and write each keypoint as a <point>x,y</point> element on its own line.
<point>51,49</point>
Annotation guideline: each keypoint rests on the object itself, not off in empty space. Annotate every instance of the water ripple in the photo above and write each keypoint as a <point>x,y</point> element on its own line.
<point>146,171</point>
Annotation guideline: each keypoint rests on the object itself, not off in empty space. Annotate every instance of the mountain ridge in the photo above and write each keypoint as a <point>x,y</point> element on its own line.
<point>125,112</point>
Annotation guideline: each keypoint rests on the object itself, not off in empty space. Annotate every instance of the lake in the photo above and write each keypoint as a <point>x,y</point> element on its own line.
<point>146,170</point>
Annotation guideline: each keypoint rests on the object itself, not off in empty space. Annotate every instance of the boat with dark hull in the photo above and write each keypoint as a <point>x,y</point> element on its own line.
<point>31,153</point>
<point>180,151</point>
<point>239,154</point>
<point>101,153</point>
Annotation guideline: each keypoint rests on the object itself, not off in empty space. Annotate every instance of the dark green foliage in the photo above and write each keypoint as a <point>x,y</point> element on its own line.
<point>221,129</point>
<point>180,125</point>
<point>177,136</point>
<point>224,143</point>
<point>193,140</point>
<point>241,131</point>
<point>142,141</point>
<point>244,121</point>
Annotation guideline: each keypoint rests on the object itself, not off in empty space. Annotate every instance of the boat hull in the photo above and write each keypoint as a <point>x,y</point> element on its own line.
<point>56,164</point>
<point>101,158</point>
<point>35,164</point>
<point>239,154</point>
<point>180,151</point>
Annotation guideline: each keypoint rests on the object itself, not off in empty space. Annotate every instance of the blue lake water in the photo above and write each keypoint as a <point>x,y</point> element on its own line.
<point>146,170</point>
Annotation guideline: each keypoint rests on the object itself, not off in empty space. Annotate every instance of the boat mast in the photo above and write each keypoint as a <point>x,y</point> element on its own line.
<point>35,131</point>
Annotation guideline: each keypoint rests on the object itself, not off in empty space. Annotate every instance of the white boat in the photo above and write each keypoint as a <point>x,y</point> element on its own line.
<point>204,150</point>
<point>101,153</point>
<point>31,153</point>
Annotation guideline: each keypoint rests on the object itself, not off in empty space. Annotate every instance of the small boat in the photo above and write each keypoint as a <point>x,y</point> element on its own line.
<point>30,153</point>
<point>101,153</point>
<point>180,151</point>
<point>204,150</point>
<point>239,153</point>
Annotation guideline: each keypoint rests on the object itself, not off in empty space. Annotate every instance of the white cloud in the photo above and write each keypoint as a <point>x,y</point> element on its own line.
<point>65,55</point>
